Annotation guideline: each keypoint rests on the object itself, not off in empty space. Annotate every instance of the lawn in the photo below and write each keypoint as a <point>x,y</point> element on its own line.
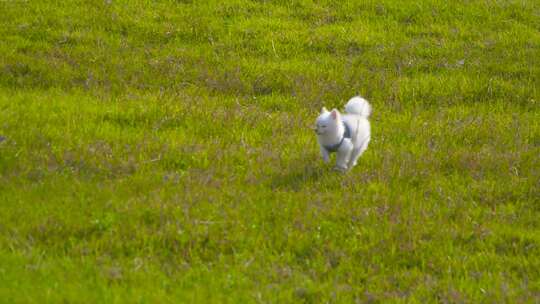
<point>161,152</point>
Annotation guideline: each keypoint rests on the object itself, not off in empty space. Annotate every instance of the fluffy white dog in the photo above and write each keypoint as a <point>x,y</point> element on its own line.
<point>346,134</point>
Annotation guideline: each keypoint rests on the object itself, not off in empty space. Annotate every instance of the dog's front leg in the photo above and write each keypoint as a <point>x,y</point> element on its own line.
<point>325,155</point>
<point>344,154</point>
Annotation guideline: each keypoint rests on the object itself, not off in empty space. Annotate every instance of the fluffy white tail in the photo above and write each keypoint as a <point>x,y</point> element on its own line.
<point>359,106</point>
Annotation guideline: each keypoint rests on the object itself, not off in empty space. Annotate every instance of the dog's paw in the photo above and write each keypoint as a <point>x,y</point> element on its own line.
<point>340,169</point>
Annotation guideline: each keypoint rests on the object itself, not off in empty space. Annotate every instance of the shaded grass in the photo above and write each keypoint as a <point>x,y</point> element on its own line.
<point>162,152</point>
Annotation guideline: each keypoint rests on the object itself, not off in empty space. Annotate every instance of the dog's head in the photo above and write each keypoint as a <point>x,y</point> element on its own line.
<point>328,122</point>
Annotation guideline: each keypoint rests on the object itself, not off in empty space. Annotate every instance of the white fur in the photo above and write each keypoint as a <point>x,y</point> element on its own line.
<point>330,130</point>
<point>358,105</point>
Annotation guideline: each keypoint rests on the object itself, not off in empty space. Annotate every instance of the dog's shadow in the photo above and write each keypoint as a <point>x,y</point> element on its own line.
<point>298,176</point>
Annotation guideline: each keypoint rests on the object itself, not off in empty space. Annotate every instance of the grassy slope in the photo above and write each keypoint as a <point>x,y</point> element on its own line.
<point>161,151</point>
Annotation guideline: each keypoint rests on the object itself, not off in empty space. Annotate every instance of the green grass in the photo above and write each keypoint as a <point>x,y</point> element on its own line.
<point>160,151</point>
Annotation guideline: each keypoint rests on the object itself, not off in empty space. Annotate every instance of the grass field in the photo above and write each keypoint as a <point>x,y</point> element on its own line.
<point>161,151</point>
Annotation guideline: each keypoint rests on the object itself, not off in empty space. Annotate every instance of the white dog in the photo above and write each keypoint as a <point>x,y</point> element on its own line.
<point>348,135</point>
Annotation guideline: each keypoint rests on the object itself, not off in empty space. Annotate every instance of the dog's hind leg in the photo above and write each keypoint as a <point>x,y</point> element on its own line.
<point>357,152</point>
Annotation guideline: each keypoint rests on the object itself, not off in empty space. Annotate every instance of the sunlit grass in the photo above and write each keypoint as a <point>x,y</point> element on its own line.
<point>162,152</point>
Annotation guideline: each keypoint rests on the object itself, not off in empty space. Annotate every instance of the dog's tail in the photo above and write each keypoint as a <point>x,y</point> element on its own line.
<point>359,106</point>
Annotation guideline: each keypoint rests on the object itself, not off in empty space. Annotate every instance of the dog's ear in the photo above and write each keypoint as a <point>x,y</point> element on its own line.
<point>334,114</point>
<point>324,110</point>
